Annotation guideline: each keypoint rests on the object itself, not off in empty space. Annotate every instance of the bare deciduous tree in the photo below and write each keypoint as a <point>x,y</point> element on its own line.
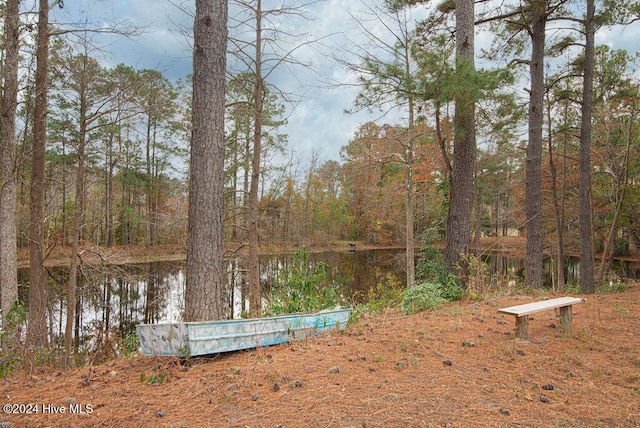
<point>387,77</point>
<point>263,55</point>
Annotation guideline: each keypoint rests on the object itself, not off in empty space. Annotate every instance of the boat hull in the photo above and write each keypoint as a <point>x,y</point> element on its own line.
<point>187,339</point>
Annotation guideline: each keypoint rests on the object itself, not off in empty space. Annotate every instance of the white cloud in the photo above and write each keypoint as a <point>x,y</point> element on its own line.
<point>620,37</point>
<point>161,44</point>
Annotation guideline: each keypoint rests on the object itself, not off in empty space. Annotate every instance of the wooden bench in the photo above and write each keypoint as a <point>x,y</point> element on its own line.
<point>522,313</point>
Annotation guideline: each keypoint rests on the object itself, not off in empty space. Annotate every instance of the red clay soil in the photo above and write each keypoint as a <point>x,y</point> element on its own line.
<point>458,366</point>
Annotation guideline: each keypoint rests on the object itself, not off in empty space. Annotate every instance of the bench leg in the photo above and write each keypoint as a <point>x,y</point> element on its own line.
<point>565,318</point>
<point>522,327</point>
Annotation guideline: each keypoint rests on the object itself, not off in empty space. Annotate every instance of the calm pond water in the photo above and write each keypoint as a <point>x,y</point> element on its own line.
<point>121,297</point>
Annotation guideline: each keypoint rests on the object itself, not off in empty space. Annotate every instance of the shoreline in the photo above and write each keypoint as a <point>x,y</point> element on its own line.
<point>511,246</point>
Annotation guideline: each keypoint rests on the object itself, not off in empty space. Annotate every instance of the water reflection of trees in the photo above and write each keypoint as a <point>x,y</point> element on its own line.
<point>112,300</point>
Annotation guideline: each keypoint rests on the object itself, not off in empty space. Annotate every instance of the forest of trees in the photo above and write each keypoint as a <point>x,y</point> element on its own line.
<point>538,141</point>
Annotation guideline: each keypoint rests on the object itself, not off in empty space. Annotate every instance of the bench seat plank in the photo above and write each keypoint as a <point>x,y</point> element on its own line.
<point>531,308</point>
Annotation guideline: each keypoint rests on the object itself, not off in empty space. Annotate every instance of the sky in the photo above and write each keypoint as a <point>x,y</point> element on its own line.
<point>317,121</point>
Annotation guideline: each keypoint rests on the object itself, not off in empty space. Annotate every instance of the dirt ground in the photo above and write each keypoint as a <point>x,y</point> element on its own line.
<point>458,366</point>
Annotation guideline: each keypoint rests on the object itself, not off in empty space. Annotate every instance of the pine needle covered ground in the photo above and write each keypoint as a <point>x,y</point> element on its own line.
<point>457,366</point>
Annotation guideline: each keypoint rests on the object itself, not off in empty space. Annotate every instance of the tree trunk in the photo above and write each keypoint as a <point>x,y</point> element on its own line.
<point>63,240</point>
<point>587,284</point>
<point>620,183</point>
<point>443,144</point>
<point>108,206</point>
<point>204,296</point>
<point>152,190</point>
<point>308,218</point>
<point>535,244</point>
<point>235,226</point>
<point>123,213</point>
<point>37,329</point>
<point>458,228</point>
<point>255,292</point>
<point>559,215</point>
<point>8,167</point>
<point>75,241</point>
<point>410,240</point>
<point>78,214</point>
<point>408,179</point>
<point>477,229</point>
<point>634,227</point>
<point>27,135</point>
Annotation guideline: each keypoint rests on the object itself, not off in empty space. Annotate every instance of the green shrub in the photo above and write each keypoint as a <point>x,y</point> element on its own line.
<point>433,269</point>
<point>451,289</point>
<point>130,344</point>
<point>388,293</point>
<point>422,297</point>
<point>302,287</point>
<point>10,345</point>
<point>431,265</point>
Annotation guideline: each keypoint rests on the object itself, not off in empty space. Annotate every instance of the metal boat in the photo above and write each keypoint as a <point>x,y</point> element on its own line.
<point>188,339</point>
